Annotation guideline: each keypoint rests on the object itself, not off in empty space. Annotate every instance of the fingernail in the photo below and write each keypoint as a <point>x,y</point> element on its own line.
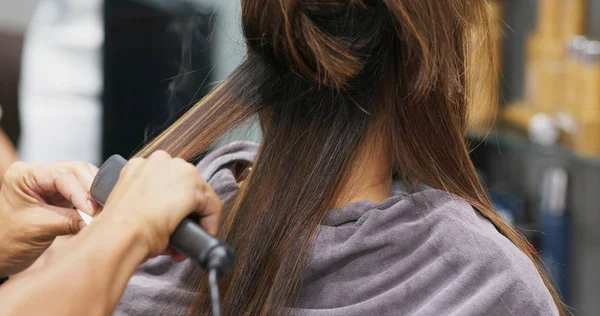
<point>82,225</point>
<point>90,205</point>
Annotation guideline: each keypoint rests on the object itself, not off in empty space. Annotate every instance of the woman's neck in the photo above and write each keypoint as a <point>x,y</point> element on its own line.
<point>369,177</point>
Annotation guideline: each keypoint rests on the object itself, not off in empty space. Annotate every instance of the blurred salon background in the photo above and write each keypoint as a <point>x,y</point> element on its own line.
<point>85,79</point>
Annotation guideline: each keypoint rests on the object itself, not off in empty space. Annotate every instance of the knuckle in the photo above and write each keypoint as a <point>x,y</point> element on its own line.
<point>183,167</point>
<point>136,160</point>
<point>92,166</point>
<point>81,165</point>
<point>160,154</point>
<point>124,172</point>
<point>15,171</point>
<point>63,169</point>
<point>75,168</point>
<point>201,200</point>
<point>205,187</point>
<point>134,163</point>
<point>191,169</point>
<point>218,202</point>
<point>212,195</point>
<point>131,165</point>
<point>71,224</point>
<point>19,165</point>
<point>180,161</point>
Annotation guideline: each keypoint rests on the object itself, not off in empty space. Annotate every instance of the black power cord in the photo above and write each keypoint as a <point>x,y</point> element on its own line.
<point>213,284</point>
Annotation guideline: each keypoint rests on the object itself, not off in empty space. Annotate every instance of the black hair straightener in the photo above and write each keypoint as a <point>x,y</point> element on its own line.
<point>189,238</point>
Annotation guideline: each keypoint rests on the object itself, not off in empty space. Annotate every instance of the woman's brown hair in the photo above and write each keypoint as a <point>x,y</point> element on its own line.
<point>323,75</point>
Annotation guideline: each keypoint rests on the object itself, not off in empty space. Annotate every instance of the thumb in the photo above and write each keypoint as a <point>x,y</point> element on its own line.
<point>58,221</point>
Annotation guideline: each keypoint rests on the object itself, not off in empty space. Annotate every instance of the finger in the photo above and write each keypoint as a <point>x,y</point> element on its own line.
<point>69,186</point>
<point>182,161</point>
<point>57,199</point>
<point>210,208</point>
<point>54,179</point>
<point>57,221</point>
<point>159,155</point>
<point>38,179</point>
<point>93,169</point>
<point>83,173</point>
<point>157,160</point>
<point>132,167</point>
<point>86,175</point>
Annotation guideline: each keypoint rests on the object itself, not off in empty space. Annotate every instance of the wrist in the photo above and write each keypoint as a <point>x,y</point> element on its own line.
<point>105,255</point>
<point>123,229</point>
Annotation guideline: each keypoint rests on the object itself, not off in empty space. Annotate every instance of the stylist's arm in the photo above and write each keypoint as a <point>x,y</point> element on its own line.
<point>150,199</point>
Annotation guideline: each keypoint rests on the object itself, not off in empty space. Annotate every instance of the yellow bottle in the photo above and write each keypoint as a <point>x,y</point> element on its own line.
<point>550,18</point>
<point>574,68</point>
<point>588,116</point>
<point>574,18</point>
<point>573,90</point>
<point>551,74</point>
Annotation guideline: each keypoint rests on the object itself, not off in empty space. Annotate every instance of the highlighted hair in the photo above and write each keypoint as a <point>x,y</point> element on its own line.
<point>321,74</point>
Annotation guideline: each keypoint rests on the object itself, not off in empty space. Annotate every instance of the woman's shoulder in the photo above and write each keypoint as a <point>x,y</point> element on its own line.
<point>217,168</point>
<point>218,158</point>
<point>428,253</point>
<point>483,263</point>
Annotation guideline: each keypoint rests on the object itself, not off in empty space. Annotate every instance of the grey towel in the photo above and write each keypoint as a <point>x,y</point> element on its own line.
<point>426,253</point>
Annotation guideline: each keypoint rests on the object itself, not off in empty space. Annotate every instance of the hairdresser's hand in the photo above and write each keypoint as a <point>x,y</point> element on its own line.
<point>36,206</point>
<point>154,195</point>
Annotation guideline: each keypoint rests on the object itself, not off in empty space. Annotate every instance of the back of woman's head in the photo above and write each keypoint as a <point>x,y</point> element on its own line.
<point>325,76</point>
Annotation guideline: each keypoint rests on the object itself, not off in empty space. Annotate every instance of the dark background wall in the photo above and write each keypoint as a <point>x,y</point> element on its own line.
<point>144,54</point>
<point>10,61</point>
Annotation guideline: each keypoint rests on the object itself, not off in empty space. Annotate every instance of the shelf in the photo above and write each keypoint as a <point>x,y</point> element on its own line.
<point>510,137</point>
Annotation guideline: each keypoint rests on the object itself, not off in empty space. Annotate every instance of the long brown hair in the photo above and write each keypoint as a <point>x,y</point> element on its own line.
<point>321,74</point>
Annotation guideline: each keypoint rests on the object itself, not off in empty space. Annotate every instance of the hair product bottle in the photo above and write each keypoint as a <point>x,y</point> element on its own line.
<point>588,116</point>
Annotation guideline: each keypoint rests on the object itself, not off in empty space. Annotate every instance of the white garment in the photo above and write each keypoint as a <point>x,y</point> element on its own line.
<point>61,83</point>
